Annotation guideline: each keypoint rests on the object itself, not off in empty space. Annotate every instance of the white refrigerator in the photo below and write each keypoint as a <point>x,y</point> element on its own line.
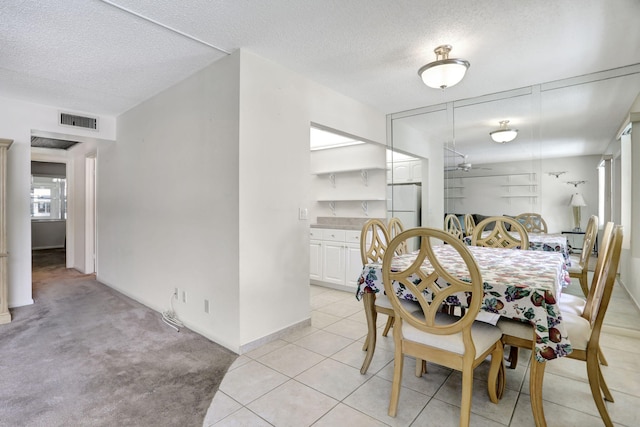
<point>404,201</point>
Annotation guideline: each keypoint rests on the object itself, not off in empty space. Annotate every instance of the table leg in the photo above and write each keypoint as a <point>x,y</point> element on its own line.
<point>369,300</point>
<point>536,376</point>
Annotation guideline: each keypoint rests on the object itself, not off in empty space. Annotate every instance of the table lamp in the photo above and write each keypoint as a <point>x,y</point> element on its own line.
<point>577,202</point>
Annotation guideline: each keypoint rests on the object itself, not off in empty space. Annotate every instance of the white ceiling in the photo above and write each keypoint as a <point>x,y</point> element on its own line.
<point>104,57</point>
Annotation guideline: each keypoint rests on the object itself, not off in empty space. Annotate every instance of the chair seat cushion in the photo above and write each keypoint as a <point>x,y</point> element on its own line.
<point>484,335</point>
<point>578,330</point>
<point>383,301</point>
<point>575,269</point>
<point>515,328</point>
<point>572,304</point>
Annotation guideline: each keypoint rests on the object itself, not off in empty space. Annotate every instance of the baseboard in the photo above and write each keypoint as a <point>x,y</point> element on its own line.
<point>245,348</point>
<point>39,248</point>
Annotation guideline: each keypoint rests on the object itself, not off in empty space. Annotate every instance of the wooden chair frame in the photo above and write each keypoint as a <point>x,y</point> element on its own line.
<point>469,224</point>
<point>532,222</point>
<point>428,321</point>
<point>500,237</point>
<point>395,227</point>
<point>594,312</point>
<point>588,243</point>
<point>372,250</point>
<point>452,226</point>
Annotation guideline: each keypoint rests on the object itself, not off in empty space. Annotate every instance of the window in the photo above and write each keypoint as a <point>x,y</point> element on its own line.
<point>48,197</point>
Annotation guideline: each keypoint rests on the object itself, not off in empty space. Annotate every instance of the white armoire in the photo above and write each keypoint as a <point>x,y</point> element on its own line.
<point>5,316</point>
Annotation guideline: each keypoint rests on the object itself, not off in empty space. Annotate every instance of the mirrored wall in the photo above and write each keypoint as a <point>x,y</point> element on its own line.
<point>564,128</point>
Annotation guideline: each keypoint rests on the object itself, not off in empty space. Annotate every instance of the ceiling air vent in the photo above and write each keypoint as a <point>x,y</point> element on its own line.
<point>79,121</point>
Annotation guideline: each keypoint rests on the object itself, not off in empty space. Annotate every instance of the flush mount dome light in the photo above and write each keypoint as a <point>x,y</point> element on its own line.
<point>443,72</point>
<point>504,134</point>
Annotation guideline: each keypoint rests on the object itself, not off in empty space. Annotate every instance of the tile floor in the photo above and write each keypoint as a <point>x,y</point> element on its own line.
<point>312,378</point>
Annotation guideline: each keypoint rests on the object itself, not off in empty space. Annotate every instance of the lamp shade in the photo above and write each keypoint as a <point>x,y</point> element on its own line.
<point>504,134</point>
<point>577,200</point>
<point>444,72</point>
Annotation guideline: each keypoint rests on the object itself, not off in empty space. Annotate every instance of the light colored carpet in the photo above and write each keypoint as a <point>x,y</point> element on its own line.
<point>85,355</point>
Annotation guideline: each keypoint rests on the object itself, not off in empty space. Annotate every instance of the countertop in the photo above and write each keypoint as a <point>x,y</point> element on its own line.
<point>342,223</point>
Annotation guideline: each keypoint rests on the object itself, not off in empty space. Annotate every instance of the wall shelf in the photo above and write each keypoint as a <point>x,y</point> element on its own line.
<point>352,199</point>
<point>334,171</point>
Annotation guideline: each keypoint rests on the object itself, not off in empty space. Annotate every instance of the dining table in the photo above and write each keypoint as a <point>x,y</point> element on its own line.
<point>518,284</point>
<point>549,242</point>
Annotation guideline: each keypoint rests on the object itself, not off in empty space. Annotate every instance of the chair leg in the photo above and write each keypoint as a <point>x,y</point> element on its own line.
<point>583,284</point>
<point>421,367</point>
<point>513,357</point>
<point>397,381</point>
<point>594,375</point>
<point>603,386</point>
<point>603,361</point>
<point>370,342</point>
<point>388,326</point>
<point>467,392</point>
<point>495,381</point>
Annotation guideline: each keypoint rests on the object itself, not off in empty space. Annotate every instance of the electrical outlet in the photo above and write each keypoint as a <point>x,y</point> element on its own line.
<point>175,293</point>
<point>206,306</point>
<point>184,296</point>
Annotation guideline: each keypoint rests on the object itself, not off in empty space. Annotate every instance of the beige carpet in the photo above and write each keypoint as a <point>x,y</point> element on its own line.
<point>85,355</point>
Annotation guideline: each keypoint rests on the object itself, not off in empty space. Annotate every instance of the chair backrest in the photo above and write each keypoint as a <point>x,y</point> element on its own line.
<point>395,227</point>
<point>469,224</point>
<point>589,241</point>
<point>604,246</point>
<point>432,284</point>
<point>452,226</point>
<point>532,222</point>
<point>506,233</point>
<point>598,300</point>
<point>374,239</point>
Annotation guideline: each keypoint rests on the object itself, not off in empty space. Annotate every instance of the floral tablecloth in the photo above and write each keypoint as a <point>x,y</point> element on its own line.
<point>550,242</point>
<point>523,285</point>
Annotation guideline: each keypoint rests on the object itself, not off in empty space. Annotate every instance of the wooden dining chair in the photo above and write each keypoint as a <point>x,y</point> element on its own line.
<point>395,227</point>
<point>574,303</point>
<point>581,267</point>
<point>501,232</point>
<point>583,330</point>
<point>427,334</point>
<point>374,239</point>
<point>469,224</point>
<point>532,222</point>
<point>453,226</point>
<point>570,303</point>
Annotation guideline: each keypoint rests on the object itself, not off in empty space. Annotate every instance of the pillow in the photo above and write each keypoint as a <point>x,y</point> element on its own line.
<point>477,218</point>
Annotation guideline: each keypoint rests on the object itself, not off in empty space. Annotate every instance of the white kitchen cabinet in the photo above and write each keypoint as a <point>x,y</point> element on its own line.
<point>338,254</point>
<point>405,171</point>
<point>315,260</point>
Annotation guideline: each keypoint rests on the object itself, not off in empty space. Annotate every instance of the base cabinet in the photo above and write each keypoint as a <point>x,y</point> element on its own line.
<point>335,258</point>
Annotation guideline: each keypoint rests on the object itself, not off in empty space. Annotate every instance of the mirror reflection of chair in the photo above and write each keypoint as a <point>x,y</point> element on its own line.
<point>453,226</point>
<point>374,239</point>
<point>469,224</point>
<point>580,268</point>
<point>532,222</point>
<point>500,232</point>
<point>584,329</point>
<point>458,343</point>
<point>395,227</point>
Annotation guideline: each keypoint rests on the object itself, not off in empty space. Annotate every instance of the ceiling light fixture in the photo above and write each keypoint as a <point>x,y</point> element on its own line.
<point>443,72</point>
<point>504,134</point>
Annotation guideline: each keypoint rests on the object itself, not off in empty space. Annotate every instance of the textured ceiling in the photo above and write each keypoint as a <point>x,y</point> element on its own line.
<point>104,57</point>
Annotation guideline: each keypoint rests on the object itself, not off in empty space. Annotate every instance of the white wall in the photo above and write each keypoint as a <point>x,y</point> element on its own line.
<point>409,141</point>
<point>202,190</point>
<point>19,120</point>
<point>167,208</point>
<point>276,109</point>
<point>484,195</point>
